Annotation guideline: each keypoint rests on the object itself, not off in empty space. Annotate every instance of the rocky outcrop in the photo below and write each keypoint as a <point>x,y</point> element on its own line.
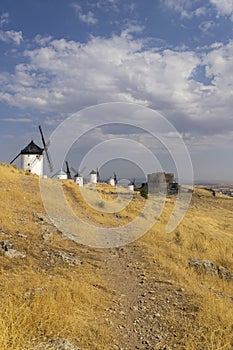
<point>68,257</point>
<point>9,251</point>
<point>210,268</point>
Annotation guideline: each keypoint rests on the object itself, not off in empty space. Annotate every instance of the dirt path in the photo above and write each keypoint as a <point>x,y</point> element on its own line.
<point>148,307</point>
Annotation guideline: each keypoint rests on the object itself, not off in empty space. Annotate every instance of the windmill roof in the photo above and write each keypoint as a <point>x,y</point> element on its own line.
<point>93,172</point>
<point>32,148</point>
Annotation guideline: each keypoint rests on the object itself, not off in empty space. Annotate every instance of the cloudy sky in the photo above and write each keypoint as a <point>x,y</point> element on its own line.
<point>173,56</point>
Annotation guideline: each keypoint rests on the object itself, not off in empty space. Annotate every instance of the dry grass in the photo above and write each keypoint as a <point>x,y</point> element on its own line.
<point>39,301</point>
<point>205,233</point>
<point>42,308</point>
<point>102,205</point>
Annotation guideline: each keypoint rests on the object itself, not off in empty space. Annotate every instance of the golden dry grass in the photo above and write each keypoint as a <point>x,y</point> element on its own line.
<point>205,233</point>
<point>40,301</point>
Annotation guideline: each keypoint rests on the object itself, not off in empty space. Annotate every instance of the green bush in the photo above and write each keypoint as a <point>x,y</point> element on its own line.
<point>144,193</point>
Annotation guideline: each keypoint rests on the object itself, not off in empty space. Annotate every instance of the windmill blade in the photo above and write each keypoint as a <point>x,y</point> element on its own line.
<point>97,174</point>
<point>42,137</point>
<point>115,178</point>
<point>46,150</point>
<point>15,158</point>
<point>68,171</point>
<point>49,160</point>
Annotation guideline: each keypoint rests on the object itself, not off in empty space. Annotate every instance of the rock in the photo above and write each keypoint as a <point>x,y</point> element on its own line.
<point>6,245</point>
<point>68,257</point>
<point>47,235</point>
<point>13,253</point>
<point>9,251</point>
<point>211,269</point>
<point>57,344</point>
<point>203,266</point>
<point>224,273</point>
<point>22,221</point>
<point>20,235</point>
<point>43,218</point>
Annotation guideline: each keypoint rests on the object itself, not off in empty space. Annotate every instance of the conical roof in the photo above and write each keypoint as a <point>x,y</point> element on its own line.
<point>93,172</point>
<point>32,148</point>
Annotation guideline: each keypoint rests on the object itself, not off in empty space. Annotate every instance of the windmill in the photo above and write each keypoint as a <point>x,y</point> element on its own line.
<point>32,157</point>
<point>131,185</point>
<point>68,173</point>
<point>94,176</point>
<point>63,174</point>
<point>78,178</point>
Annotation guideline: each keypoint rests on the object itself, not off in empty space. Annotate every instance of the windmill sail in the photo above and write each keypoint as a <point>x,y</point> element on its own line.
<point>46,150</point>
<point>15,158</point>
<point>115,178</point>
<point>68,171</point>
<point>97,174</point>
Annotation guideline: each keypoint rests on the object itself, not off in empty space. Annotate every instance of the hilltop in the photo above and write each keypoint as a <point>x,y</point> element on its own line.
<point>163,291</point>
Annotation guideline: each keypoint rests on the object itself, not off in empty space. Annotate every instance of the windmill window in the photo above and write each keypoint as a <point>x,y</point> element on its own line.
<point>28,164</point>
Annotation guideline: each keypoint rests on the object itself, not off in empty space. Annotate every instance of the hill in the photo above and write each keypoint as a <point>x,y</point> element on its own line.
<point>163,291</point>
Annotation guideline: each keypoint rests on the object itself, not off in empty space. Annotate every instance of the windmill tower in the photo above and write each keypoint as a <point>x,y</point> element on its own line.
<point>131,185</point>
<point>93,177</point>
<point>113,180</point>
<point>32,157</point>
<point>78,178</point>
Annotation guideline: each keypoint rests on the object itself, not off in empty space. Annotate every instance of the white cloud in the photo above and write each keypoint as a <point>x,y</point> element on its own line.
<point>42,40</point>
<point>4,19</point>
<point>16,120</point>
<point>200,11</point>
<point>223,7</point>
<point>107,5</point>
<point>185,8</point>
<point>11,35</point>
<point>64,76</point>
<point>88,18</point>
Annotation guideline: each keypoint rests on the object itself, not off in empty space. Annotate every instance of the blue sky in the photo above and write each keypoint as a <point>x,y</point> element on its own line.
<point>174,56</point>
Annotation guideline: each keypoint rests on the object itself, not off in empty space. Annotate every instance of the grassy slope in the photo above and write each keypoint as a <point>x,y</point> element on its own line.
<point>40,299</point>
<point>70,305</point>
<point>206,233</point>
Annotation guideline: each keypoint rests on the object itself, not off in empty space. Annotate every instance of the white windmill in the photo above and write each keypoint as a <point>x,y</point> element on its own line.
<point>113,180</point>
<point>94,176</point>
<point>32,157</point>
<point>78,178</point>
<point>131,185</point>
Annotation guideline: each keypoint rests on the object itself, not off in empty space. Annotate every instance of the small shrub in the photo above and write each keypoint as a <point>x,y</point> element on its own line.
<point>144,193</point>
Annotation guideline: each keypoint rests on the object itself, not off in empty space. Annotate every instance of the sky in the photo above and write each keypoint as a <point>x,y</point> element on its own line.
<point>172,56</point>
